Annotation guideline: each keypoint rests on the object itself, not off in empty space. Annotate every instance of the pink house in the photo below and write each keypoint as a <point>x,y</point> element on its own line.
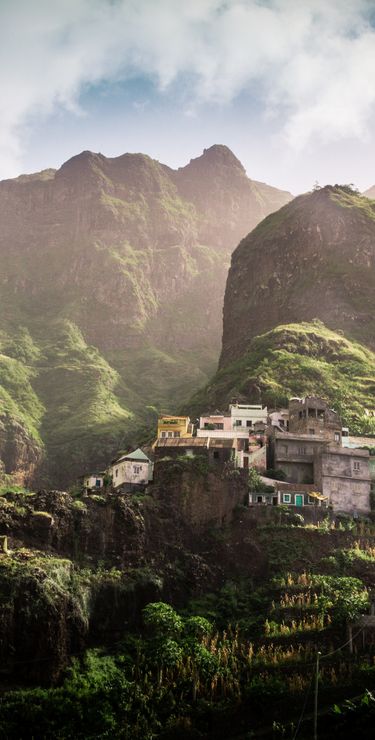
<point>216,421</point>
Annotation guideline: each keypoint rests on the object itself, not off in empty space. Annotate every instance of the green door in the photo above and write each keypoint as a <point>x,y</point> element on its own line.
<point>299,499</point>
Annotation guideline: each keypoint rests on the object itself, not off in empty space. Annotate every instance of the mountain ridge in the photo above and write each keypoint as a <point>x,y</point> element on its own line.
<point>111,288</point>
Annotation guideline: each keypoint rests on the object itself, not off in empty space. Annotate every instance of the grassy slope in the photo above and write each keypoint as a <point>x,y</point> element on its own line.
<point>297,360</point>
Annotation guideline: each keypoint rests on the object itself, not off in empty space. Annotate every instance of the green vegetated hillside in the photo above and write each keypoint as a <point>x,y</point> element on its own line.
<point>297,360</point>
<point>112,281</point>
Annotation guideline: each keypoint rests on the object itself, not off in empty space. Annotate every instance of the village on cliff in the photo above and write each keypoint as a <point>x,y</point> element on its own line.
<point>302,455</point>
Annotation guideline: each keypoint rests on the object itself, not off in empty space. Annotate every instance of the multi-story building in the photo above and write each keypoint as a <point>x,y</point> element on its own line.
<point>311,452</point>
<point>294,454</point>
<point>245,416</point>
<point>312,416</point>
<point>174,426</point>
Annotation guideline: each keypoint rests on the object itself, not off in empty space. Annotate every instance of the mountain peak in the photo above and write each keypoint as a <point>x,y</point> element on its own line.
<point>315,258</point>
<point>217,155</point>
<point>81,163</point>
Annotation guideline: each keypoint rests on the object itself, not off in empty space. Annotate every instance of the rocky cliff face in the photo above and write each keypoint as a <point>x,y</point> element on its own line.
<point>315,258</point>
<point>79,571</point>
<point>111,288</point>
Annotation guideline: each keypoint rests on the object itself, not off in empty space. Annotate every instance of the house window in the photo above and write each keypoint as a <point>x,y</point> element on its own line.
<point>238,423</point>
<point>164,434</point>
<point>249,423</point>
<point>302,450</point>
<point>356,466</point>
<point>286,498</point>
<point>311,431</point>
<point>116,472</point>
<point>337,437</point>
<point>170,434</point>
<point>216,454</point>
<point>259,499</point>
<point>98,482</point>
<point>284,449</point>
<point>176,434</point>
<point>136,469</point>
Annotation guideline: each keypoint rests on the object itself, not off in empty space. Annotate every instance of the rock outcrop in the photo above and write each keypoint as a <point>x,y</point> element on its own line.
<point>313,259</point>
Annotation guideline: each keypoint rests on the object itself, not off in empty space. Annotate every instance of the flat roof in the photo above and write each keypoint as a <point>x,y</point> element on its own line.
<point>303,437</point>
<point>348,451</point>
<point>181,442</point>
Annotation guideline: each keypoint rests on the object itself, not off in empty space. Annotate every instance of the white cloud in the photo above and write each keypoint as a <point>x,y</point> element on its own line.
<point>313,60</point>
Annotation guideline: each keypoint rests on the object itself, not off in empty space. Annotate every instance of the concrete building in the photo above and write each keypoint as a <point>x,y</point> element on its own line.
<point>251,452</point>
<point>94,481</point>
<point>312,416</point>
<point>294,454</point>
<point>246,415</point>
<point>343,475</point>
<point>288,494</point>
<point>174,426</point>
<point>279,419</point>
<point>216,422</point>
<point>132,470</point>
<point>213,450</point>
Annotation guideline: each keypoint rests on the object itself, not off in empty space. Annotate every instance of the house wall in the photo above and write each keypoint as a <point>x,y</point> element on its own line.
<point>131,471</point>
<point>279,418</point>
<point>311,415</point>
<point>240,433</point>
<point>256,458</point>
<point>297,472</point>
<point>295,457</point>
<point>174,426</point>
<point>91,481</point>
<point>243,415</point>
<point>347,488</point>
<point>224,422</point>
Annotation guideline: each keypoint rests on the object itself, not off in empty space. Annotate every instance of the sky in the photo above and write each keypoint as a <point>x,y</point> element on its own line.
<point>288,85</point>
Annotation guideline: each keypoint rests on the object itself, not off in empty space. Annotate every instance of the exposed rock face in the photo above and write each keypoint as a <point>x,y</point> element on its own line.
<point>20,454</point>
<point>111,289</point>
<point>370,193</point>
<point>315,258</point>
<point>160,546</point>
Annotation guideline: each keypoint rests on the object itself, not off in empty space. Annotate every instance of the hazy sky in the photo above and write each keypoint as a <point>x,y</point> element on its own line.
<point>288,85</point>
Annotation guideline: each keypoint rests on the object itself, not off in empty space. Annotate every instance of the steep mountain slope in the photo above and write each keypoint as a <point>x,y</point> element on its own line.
<point>314,258</point>
<point>370,193</point>
<point>297,360</point>
<point>112,279</point>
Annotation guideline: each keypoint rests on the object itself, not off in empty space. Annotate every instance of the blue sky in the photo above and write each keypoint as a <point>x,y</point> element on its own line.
<point>287,85</point>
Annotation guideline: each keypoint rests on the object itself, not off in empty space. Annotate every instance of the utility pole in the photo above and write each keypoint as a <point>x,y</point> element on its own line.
<point>316,697</point>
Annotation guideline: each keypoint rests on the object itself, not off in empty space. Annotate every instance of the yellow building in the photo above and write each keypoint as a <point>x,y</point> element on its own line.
<point>174,426</point>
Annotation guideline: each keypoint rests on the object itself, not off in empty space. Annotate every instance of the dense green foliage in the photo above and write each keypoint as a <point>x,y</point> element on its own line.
<point>182,673</point>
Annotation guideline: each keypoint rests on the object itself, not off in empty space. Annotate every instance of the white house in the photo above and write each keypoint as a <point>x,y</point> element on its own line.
<point>245,416</point>
<point>94,480</point>
<point>135,468</point>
